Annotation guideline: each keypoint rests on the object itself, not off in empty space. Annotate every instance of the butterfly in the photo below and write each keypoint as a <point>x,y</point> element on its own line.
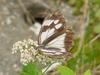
<point>55,38</point>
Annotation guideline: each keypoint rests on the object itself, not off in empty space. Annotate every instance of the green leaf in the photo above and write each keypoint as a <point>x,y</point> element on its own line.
<point>30,69</point>
<point>98,13</point>
<point>88,72</point>
<point>88,33</point>
<point>65,70</point>
<point>97,28</point>
<point>72,63</point>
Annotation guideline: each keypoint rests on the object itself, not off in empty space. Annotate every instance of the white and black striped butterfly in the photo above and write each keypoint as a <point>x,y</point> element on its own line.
<point>55,38</point>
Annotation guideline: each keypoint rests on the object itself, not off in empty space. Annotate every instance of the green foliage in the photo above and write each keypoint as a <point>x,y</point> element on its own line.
<point>89,52</point>
<point>78,6</point>
<point>88,33</point>
<point>65,70</point>
<point>88,72</point>
<point>97,13</point>
<point>73,62</point>
<point>31,69</point>
<point>97,28</point>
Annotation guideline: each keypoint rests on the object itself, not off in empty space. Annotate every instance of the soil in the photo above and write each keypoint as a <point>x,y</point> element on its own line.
<point>12,29</point>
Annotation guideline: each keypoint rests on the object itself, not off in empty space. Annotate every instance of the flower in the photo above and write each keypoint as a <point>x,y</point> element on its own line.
<point>27,50</point>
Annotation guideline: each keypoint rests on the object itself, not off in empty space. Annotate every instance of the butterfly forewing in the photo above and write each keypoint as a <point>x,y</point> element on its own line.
<point>53,35</point>
<point>50,26</point>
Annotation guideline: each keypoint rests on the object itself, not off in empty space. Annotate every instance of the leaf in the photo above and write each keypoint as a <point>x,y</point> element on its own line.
<point>88,72</point>
<point>88,33</point>
<point>97,28</point>
<point>65,70</point>
<point>98,13</point>
<point>30,69</point>
<point>72,63</point>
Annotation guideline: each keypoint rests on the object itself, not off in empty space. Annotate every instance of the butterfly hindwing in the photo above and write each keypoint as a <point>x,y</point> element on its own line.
<point>56,46</point>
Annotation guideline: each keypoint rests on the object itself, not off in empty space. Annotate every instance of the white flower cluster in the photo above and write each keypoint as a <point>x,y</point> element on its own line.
<point>26,49</point>
<point>29,52</point>
<point>43,59</point>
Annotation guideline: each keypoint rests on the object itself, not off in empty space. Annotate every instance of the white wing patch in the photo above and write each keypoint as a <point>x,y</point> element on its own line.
<point>58,26</point>
<point>57,42</point>
<point>46,34</point>
<point>56,21</point>
<point>53,51</point>
<point>47,22</point>
<point>43,36</point>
